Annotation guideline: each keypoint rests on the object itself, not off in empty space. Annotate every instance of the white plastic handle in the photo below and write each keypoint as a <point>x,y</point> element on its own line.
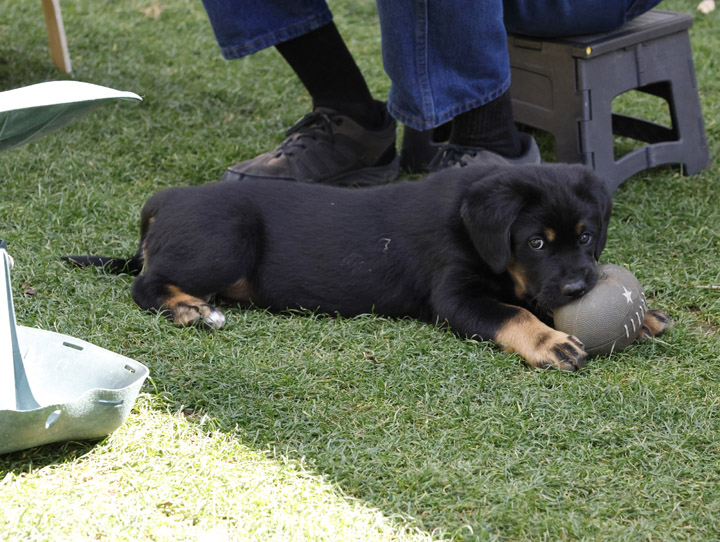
<point>9,349</point>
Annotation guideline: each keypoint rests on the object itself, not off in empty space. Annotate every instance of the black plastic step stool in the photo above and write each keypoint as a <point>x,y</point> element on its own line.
<point>566,87</point>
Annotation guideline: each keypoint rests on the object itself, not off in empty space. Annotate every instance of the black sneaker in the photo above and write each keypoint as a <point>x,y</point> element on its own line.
<point>327,147</point>
<point>454,156</point>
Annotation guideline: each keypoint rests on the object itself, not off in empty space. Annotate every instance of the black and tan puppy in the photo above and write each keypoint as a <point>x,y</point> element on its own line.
<point>490,252</point>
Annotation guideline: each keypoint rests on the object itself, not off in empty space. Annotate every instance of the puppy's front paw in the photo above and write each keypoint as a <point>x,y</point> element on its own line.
<point>559,351</point>
<point>656,323</point>
<point>541,346</point>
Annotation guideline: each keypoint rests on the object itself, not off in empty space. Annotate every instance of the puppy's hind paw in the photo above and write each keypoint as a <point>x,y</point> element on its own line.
<point>188,310</point>
<point>214,319</point>
<point>656,323</point>
<point>201,314</point>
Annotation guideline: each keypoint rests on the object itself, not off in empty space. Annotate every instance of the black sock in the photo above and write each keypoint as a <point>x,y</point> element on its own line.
<point>328,71</point>
<point>490,126</point>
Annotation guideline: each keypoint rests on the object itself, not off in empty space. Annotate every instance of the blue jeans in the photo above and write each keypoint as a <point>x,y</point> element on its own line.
<point>443,57</point>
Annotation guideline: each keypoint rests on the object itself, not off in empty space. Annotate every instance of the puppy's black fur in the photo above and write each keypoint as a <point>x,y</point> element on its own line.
<point>489,251</point>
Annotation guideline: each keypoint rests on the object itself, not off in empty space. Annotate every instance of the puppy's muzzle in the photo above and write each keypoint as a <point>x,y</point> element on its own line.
<point>574,289</point>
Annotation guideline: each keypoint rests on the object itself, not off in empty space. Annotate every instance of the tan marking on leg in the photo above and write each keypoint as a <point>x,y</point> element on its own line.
<point>539,344</point>
<point>240,291</point>
<point>187,310</point>
<point>518,275</point>
<point>550,235</point>
<point>656,323</point>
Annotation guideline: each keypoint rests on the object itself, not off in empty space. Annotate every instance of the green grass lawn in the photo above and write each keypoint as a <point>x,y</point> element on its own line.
<point>305,427</point>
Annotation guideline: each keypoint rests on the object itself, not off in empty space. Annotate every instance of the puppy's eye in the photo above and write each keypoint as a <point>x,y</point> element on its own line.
<point>536,243</point>
<point>585,238</point>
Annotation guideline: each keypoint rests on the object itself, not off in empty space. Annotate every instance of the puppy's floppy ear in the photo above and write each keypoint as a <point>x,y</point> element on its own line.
<point>606,211</point>
<point>488,210</point>
<point>595,190</point>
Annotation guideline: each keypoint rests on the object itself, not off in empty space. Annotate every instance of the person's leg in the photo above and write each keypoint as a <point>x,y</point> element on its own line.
<point>490,126</point>
<point>443,58</point>
<point>449,61</point>
<point>323,63</point>
<point>349,138</point>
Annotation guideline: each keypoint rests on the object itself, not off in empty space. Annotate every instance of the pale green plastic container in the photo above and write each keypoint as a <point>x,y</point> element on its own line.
<point>54,387</point>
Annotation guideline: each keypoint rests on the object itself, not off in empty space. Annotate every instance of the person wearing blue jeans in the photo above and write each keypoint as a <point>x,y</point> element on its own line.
<point>447,61</point>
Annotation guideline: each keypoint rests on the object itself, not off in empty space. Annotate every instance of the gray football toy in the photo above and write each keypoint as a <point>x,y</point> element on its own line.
<point>610,316</point>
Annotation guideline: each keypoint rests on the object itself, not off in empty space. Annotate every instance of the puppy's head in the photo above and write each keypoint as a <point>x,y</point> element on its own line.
<point>543,225</point>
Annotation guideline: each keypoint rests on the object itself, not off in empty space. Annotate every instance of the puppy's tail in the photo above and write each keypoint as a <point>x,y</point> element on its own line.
<point>132,266</point>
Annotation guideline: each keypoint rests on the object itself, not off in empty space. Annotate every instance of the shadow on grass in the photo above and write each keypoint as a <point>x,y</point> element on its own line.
<point>16,72</point>
<point>402,415</point>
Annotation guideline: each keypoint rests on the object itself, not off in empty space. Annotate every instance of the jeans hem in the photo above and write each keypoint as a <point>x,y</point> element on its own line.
<point>415,122</point>
<point>232,52</point>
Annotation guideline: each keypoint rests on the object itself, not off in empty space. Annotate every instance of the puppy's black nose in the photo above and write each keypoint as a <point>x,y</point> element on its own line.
<point>574,289</point>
